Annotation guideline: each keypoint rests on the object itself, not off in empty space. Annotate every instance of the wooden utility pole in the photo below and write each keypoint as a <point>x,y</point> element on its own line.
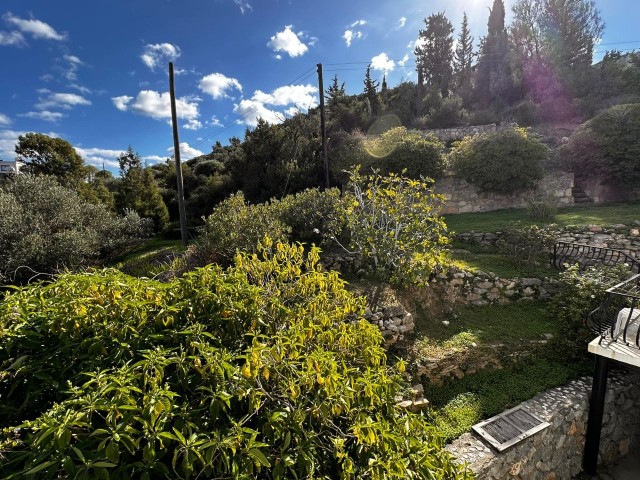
<point>323,126</point>
<point>176,152</point>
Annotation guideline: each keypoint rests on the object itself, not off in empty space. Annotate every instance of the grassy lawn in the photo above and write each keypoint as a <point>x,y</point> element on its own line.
<point>507,329</point>
<point>144,260</point>
<point>496,221</point>
<point>490,260</point>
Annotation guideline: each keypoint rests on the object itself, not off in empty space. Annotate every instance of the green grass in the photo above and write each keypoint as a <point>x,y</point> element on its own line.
<point>513,325</point>
<point>499,220</point>
<point>144,260</point>
<point>490,260</point>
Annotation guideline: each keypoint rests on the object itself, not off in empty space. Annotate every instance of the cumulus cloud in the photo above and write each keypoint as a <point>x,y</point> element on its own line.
<point>153,158</point>
<point>155,54</point>
<point>218,85</point>
<point>404,60</point>
<point>4,120</point>
<point>295,97</point>
<point>193,124</point>
<point>402,22</point>
<point>382,63</point>
<point>186,151</point>
<point>288,41</point>
<point>71,70</point>
<point>33,27</point>
<point>352,33</point>
<point>12,38</point>
<point>243,5</point>
<point>67,101</point>
<point>8,140</point>
<point>157,105</point>
<point>45,115</point>
<point>215,122</point>
<point>100,156</point>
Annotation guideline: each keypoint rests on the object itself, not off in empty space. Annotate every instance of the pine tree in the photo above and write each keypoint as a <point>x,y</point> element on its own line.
<point>494,84</point>
<point>384,88</point>
<point>335,92</point>
<point>371,91</point>
<point>463,57</point>
<point>434,53</point>
<point>139,191</point>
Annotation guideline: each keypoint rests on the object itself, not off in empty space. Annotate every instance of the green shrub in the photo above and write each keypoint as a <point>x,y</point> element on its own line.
<point>235,226</point>
<point>395,226</point>
<point>526,247</point>
<point>582,292</point>
<point>609,144</point>
<point>526,113</point>
<point>46,228</point>
<point>506,162</point>
<point>449,113</point>
<point>313,215</point>
<point>266,370</point>
<point>397,150</point>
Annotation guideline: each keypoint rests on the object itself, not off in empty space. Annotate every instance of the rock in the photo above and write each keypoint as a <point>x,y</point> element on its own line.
<point>528,292</point>
<point>531,282</point>
<point>393,311</point>
<point>445,323</point>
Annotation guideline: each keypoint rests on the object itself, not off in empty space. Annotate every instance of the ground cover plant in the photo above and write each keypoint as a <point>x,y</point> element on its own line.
<point>626,213</point>
<point>265,370</point>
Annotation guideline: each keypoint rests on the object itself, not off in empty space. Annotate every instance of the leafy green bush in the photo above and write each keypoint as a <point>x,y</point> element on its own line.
<point>449,113</point>
<point>235,226</point>
<point>397,150</point>
<point>507,161</point>
<point>266,370</point>
<point>394,224</point>
<point>527,246</point>
<point>526,113</point>
<point>582,292</point>
<point>313,215</point>
<point>609,144</point>
<point>46,228</point>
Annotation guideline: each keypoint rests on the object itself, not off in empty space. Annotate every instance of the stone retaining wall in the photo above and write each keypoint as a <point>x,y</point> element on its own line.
<point>556,452</point>
<point>462,197</point>
<point>458,133</point>
<point>619,236</point>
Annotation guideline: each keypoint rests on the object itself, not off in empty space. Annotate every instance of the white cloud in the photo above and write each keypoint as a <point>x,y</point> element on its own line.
<point>45,115</point>
<point>295,97</point>
<point>243,5</point>
<point>73,64</point>
<point>402,22</point>
<point>193,124</point>
<point>215,122</point>
<point>278,57</point>
<point>351,33</point>
<point>4,120</point>
<point>99,156</point>
<point>404,60</point>
<point>8,140</point>
<point>60,100</point>
<point>186,152</point>
<point>81,88</point>
<point>12,38</point>
<point>35,28</point>
<point>382,63</point>
<point>158,105</point>
<point>154,158</point>
<point>157,53</point>
<point>287,41</point>
<point>217,85</point>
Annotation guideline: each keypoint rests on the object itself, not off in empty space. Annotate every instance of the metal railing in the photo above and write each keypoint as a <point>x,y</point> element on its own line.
<point>618,317</point>
<point>586,255</point>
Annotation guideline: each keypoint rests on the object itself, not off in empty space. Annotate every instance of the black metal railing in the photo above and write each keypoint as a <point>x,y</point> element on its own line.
<point>564,253</point>
<point>618,317</point>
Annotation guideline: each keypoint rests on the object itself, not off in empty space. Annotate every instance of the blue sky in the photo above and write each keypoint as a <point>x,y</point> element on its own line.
<point>95,72</point>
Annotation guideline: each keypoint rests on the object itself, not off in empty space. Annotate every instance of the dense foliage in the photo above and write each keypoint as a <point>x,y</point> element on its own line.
<point>526,247</point>
<point>46,228</point>
<point>583,291</point>
<point>395,226</point>
<point>264,371</point>
<point>506,161</point>
<point>608,144</point>
<point>397,150</point>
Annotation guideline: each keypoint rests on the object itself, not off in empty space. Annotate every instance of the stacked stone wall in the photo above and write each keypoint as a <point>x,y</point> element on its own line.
<point>458,133</point>
<point>556,452</point>
<point>462,197</point>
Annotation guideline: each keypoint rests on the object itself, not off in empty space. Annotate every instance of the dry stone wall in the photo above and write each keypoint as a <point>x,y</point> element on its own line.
<point>458,133</point>
<point>556,453</point>
<point>462,197</point>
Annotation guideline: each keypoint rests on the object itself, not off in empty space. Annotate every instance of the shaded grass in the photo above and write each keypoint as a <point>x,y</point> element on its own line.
<point>512,325</point>
<point>626,213</point>
<point>145,260</point>
<point>491,260</point>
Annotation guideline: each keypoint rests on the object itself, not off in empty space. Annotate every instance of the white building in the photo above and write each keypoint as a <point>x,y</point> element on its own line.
<point>8,167</point>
